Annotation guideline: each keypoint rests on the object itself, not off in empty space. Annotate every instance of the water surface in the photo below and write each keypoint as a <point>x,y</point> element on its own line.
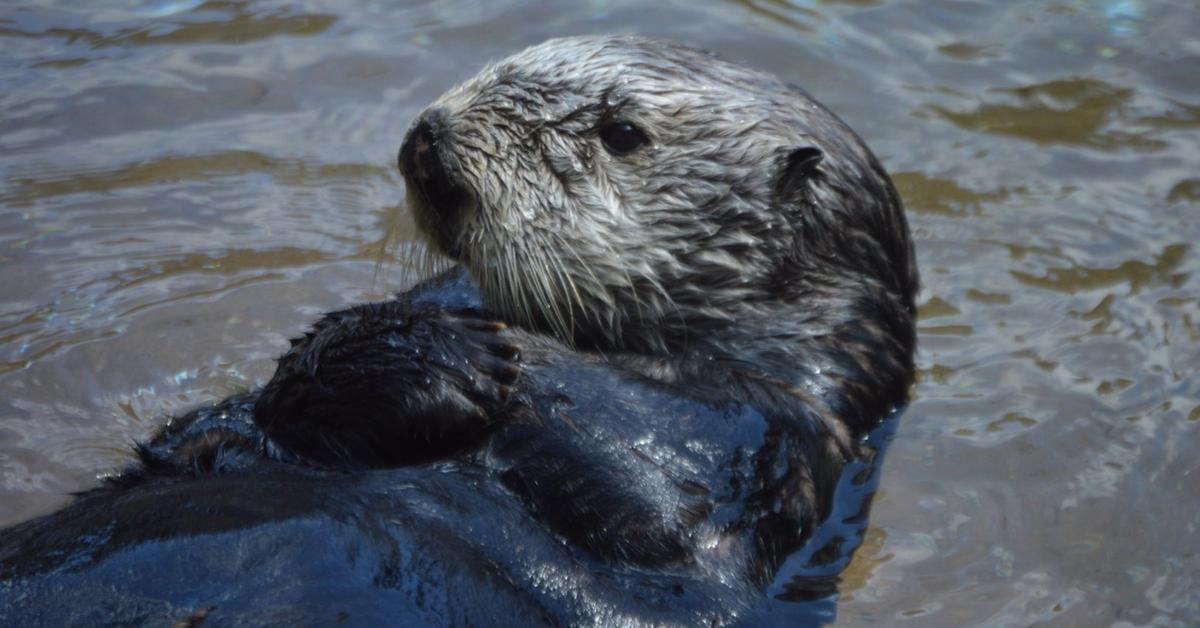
<point>185,184</point>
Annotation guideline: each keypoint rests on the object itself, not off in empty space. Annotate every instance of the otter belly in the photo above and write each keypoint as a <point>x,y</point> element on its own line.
<point>411,547</point>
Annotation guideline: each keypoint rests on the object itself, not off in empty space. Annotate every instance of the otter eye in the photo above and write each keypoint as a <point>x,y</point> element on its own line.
<point>621,138</point>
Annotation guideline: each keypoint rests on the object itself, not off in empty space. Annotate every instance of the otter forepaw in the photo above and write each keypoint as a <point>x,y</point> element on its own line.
<point>493,364</point>
<point>390,384</point>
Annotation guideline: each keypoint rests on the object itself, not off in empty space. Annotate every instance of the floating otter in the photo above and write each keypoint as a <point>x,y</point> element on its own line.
<point>685,294</point>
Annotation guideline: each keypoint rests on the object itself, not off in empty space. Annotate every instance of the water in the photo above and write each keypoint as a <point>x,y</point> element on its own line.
<point>183,185</point>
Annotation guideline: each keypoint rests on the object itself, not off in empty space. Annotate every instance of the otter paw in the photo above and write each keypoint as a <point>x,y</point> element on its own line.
<point>480,359</point>
<point>389,384</point>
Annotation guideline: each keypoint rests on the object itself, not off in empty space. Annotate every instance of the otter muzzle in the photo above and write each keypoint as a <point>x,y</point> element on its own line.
<point>422,162</point>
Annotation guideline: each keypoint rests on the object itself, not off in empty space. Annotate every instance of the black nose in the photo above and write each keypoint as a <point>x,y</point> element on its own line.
<point>423,164</point>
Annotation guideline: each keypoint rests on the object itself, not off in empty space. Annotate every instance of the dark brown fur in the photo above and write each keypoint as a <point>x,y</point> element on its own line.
<point>630,405</point>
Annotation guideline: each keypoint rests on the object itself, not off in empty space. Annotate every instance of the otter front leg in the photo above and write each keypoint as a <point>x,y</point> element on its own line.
<point>388,384</point>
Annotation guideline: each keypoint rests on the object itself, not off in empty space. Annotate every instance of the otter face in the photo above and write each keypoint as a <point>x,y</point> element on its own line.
<point>617,191</point>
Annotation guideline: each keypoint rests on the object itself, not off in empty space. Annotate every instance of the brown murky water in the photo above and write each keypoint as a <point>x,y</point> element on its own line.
<point>183,185</point>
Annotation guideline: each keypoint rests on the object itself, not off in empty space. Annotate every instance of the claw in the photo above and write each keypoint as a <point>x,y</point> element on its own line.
<point>511,353</point>
<point>508,374</point>
<point>492,326</point>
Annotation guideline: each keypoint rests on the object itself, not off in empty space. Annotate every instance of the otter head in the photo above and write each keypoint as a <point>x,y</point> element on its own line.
<point>624,193</point>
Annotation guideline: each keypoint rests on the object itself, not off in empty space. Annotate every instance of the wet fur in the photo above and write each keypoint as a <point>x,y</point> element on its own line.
<point>695,340</point>
<point>754,252</point>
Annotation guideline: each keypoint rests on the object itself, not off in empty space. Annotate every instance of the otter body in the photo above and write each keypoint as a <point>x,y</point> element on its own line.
<point>684,298</point>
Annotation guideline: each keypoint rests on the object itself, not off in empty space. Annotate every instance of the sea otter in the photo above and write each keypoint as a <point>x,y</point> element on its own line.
<point>684,294</point>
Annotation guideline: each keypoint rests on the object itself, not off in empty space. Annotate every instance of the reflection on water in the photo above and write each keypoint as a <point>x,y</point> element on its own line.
<point>184,184</point>
<point>216,22</point>
<point>1070,111</point>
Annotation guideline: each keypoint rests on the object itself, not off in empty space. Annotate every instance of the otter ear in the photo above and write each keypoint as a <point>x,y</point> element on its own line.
<point>802,161</point>
<point>799,164</point>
